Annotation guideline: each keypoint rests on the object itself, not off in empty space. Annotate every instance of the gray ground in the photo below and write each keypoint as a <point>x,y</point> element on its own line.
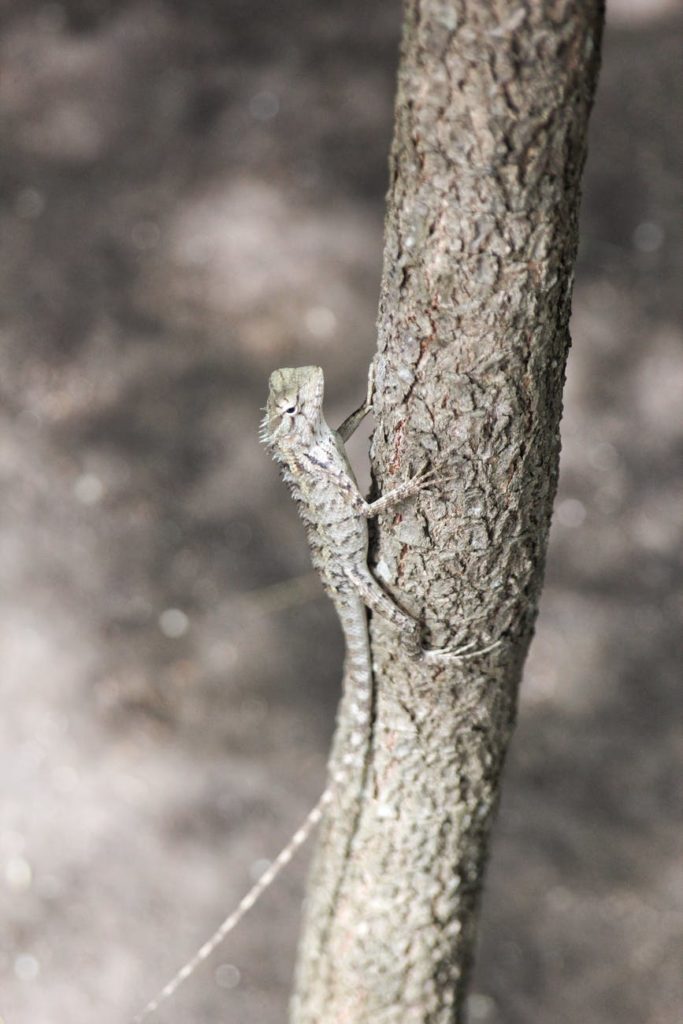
<point>193,196</point>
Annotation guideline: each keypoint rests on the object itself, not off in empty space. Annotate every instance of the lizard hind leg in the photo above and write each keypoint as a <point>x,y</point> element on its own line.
<point>372,595</point>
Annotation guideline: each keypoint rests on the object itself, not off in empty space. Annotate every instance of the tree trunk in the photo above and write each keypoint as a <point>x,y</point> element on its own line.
<point>481,234</point>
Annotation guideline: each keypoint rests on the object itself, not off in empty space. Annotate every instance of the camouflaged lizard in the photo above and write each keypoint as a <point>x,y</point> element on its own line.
<point>316,469</point>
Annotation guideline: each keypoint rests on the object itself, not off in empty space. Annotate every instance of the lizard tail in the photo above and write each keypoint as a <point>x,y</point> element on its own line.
<point>267,878</point>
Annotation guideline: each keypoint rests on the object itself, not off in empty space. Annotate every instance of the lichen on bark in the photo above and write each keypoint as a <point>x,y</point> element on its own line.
<point>492,108</point>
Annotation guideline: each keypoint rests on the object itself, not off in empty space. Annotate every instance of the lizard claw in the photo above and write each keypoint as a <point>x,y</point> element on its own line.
<point>435,655</point>
<point>438,655</point>
<point>431,476</point>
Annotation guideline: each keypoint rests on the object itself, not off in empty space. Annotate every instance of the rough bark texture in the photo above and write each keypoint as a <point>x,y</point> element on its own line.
<point>491,117</point>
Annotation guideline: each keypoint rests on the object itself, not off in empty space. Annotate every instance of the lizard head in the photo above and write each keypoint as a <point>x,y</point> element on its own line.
<point>294,406</point>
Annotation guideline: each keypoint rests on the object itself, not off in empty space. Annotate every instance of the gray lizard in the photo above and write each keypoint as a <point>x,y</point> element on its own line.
<point>316,469</point>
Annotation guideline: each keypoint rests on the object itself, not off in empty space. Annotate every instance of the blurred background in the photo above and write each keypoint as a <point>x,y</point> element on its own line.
<point>192,196</point>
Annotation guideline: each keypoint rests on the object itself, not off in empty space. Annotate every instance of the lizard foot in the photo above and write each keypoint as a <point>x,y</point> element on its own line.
<point>439,655</point>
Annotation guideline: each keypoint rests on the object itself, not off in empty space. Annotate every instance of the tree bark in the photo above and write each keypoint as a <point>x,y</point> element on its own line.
<point>481,234</point>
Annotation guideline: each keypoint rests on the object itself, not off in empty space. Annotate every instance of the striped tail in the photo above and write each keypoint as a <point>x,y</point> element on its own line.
<point>266,879</point>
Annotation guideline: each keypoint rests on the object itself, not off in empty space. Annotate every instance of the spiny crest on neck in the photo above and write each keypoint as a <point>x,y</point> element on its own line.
<point>293,411</point>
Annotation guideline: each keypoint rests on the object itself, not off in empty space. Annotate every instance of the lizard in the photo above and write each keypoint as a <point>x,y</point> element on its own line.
<point>315,467</point>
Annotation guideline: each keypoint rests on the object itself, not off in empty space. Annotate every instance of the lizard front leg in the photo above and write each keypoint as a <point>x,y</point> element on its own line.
<point>408,489</point>
<point>352,422</point>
